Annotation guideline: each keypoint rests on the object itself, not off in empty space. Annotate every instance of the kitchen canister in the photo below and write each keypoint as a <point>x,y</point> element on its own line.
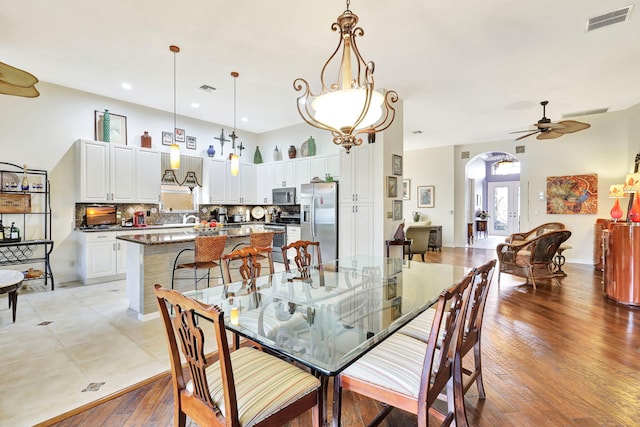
<point>106,126</point>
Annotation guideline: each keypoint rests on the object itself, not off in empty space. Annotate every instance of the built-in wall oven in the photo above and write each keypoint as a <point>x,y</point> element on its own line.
<point>279,240</point>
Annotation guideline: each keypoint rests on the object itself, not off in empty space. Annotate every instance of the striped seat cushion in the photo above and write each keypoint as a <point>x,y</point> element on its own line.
<point>420,327</point>
<point>395,364</point>
<point>264,384</point>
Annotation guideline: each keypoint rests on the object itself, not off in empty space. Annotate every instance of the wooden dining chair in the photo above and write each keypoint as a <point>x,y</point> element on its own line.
<point>408,374</point>
<point>420,327</point>
<point>207,252</point>
<point>303,257</point>
<point>245,387</point>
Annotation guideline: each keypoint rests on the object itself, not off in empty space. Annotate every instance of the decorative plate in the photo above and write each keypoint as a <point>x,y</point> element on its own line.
<point>257,212</point>
<point>304,149</point>
<point>9,181</point>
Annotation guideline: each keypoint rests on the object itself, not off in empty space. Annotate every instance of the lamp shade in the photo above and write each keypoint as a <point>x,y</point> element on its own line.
<point>174,156</point>
<point>632,183</point>
<point>616,191</point>
<point>235,164</point>
<point>341,109</point>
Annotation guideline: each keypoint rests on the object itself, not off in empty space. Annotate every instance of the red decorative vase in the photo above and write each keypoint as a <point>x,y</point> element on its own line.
<point>634,214</point>
<point>616,211</point>
<point>292,152</point>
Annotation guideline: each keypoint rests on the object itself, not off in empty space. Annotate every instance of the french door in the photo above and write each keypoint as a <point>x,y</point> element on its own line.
<point>504,208</point>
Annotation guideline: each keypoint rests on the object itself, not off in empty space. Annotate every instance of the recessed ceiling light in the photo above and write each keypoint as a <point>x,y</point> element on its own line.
<point>244,119</point>
<point>126,86</point>
<point>195,105</point>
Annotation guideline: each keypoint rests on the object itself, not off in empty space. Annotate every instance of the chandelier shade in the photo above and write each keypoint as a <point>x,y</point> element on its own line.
<point>347,105</point>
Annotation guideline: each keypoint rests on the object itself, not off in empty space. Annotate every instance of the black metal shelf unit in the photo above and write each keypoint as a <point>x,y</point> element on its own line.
<point>30,210</point>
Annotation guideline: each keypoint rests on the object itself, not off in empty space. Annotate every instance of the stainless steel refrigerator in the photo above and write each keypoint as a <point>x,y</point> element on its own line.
<point>319,216</point>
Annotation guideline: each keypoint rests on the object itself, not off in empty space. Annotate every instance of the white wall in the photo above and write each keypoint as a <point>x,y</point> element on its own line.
<point>607,149</point>
<point>40,132</point>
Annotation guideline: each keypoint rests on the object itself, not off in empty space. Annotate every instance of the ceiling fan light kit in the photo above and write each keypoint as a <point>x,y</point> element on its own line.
<point>348,106</point>
<point>551,130</point>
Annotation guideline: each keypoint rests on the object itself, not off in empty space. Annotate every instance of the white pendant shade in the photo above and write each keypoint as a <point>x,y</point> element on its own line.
<point>342,108</point>
<point>235,164</point>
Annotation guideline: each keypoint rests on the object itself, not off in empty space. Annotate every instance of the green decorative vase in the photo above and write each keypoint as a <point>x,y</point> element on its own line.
<point>311,146</point>
<point>106,126</point>
<point>257,157</point>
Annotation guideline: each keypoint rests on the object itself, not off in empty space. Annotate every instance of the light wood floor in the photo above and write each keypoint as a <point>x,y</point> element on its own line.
<point>558,356</point>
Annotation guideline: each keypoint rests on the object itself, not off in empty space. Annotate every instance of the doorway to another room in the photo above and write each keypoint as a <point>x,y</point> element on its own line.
<point>493,198</point>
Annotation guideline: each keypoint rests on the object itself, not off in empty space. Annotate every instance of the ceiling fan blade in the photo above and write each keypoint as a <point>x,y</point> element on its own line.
<point>15,76</point>
<point>529,134</point>
<point>549,125</point>
<point>552,134</point>
<point>571,126</point>
<point>27,92</point>
<point>523,131</point>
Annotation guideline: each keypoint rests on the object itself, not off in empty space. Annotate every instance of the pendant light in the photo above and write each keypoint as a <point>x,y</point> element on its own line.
<point>348,105</point>
<point>174,151</point>
<point>235,159</point>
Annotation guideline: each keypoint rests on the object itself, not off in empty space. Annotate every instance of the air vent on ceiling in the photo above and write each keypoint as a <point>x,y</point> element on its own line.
<point>416,132</point>
<point>207,88</point>
<point>585,113</point>
<point>609,18</point>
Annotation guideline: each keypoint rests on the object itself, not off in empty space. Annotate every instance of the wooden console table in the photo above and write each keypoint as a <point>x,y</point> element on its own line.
<point>406,246</point>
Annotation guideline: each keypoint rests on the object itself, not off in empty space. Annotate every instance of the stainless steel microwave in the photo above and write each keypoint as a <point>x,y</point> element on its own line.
<point>284,196</point>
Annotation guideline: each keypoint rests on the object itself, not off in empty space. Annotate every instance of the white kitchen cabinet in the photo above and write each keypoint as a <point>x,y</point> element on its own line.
<point>264,183</point>
<point>333,166</point>
<point>284,173</point>
<point>242,187</point>
<point>107,172</point>
<point>148,174</point>
<point>318,167</point>
<point>356,237</point>
<point>303,172</point>
<point>97,256</point>
<point>215,181</point>
<point>356,177</point>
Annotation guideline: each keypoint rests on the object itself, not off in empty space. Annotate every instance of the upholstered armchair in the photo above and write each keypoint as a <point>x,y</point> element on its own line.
<point>541,229</point>
<point>419,233</point>
<point>531,258</point>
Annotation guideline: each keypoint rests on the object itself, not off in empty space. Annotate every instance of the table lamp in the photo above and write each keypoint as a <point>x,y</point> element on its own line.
<point>632,185</point>
<point>616,191</point>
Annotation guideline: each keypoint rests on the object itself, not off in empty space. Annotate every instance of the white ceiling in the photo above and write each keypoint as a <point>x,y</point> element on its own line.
<point>468,71</point>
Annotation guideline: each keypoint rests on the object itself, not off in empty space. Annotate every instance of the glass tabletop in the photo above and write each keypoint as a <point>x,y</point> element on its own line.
<point>327,316</point>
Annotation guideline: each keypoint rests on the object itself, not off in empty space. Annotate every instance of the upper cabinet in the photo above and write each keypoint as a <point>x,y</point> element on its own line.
<point>241,188</point>
<point>214,190</point>
<point>116,173</point>
<point>356,178</point>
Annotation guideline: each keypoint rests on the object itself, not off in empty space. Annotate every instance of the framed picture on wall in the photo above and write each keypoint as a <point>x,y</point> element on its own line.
<point>180,135</point>
<point>167,138</point>
<point>426,196</point>
<point>392,186</point>
<point>396,164</point>
<point>191,142</point>
<point>406,189</point>
<point>397,209</point>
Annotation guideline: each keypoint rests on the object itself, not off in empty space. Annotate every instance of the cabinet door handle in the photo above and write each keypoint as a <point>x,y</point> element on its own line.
<point>118,245</point>
<point>114,246</point>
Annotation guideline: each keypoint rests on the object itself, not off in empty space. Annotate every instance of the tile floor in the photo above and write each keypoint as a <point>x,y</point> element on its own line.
<point>65,343</point>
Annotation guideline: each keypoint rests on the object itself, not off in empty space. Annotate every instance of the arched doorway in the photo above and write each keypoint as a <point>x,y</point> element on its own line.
<point>492,198</point>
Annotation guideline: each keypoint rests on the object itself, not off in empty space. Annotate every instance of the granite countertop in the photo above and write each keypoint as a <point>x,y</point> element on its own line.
<point>190,235</point>
<point>167,226</point>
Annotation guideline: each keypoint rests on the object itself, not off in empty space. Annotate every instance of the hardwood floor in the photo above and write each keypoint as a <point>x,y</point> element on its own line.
<point>558,356</point>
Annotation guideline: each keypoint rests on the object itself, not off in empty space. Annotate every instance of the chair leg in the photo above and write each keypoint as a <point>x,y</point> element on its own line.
<point>337,402</point>
<point>477,356</point>
<point>423,257</point>
<point>533,280</point>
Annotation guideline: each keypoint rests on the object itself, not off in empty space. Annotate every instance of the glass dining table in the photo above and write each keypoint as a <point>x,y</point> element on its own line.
<point>327,316</point>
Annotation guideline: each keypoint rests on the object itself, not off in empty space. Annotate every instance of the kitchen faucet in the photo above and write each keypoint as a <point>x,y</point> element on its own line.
<point>186,217</point>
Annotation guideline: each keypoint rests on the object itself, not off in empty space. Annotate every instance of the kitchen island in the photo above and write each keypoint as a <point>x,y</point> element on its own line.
<point>150,259</point>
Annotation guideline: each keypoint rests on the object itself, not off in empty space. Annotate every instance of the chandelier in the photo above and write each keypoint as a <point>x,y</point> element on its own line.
<point>174,151</point>
<point>348,105</point>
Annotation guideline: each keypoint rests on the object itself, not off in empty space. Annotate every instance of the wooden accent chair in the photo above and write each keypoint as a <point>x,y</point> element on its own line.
<point>303,257</point>
<point>241,388</point>
<point>207,252</point>
<point>535,232</point>
<point>419,233</point>
<point>420,327</point>
<point>408,374</point>
<point>533,258</point>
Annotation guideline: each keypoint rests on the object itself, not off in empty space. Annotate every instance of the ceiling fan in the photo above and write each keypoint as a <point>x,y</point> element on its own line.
<point>550,130</point>
<point>17,82</point>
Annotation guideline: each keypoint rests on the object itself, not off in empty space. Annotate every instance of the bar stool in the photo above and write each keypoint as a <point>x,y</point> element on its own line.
<point>207,255</point>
